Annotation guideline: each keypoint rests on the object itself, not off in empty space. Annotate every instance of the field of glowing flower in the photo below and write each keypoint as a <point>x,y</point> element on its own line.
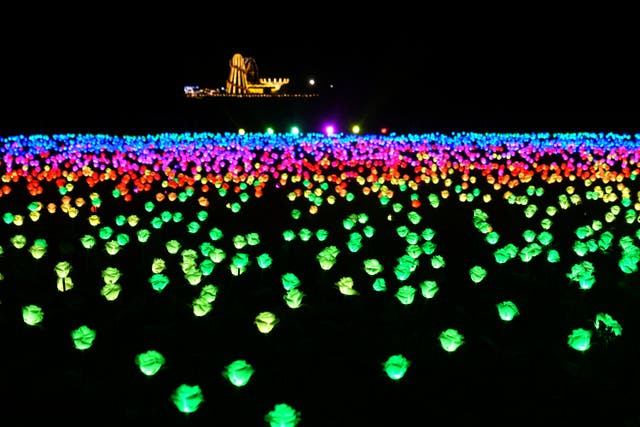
<point>278,279</point>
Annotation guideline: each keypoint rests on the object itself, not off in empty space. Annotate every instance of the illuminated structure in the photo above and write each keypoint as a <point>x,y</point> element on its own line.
<point>244,81</point>
<point>244,78</point>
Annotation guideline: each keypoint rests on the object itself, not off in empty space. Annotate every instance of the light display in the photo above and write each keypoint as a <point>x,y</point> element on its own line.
<point>341,215</point>
<point>396,366</point>
<point>150,362</point>
<point>283,415</point>
<point>83,337</point>
<point>187,398</point>
<point>238,372</point>
<point>507,310</point>
<point>451,340</point>
<point>265,321</point>
<point>580,339</point>
<point>32,315</point>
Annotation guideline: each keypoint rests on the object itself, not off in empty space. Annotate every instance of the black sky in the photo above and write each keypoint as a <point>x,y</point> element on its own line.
<point>488,67</point>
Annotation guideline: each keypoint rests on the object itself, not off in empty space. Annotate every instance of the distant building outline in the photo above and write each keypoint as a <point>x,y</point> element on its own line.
<point>244,81</point>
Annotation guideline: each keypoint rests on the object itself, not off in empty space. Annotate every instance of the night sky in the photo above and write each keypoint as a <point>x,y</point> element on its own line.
<point>531,69</point>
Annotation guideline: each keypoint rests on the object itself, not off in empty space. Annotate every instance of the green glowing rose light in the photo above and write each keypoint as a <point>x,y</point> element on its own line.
<point>605,241</point>
<point>187,398</point>
<point>18,241</point>
<point>372,267</point>
<point>238,372</point>
<point>437,262</point>
<point>83,337</point>
<point>580,248</point>
<point>217,255</point>
<point>492,237</point>
<point>110,275</point>
<point>64,282</point>
<point>529,235</point>
<point>105,233</point>
<point>290,281</point>
<point>414,217</point>
<point>282,415</point>
<point>507,310</point>
<point>402,271</point>
<point>201,306</point>
<point>428,234</point>
<point>202,215</point>
<point>606,322</point>
<point>477,274</point>
<point>159,282</point>
<point>396,366</point>
<point>406,294</point>
<point>120,220</point>
<point>355,242</point>
<point>345,286</point>
<point>368,231</point>
<point>150,362</point>
<point>193,275</point>
<point>288,235</point>
<point>157,223</point>
<point>379,284</point>
<point>530,251</point>
<point>580,339</point>
<point>266,321</point>
<point>327,257</point>
<point>209,293</point>
<point>264,260</point>
<point>239,263</point>
<point>215,234</point>
<point>414,251</point>
<point>584,232</point>
<point>158,265</point>
<point>553,256</point>
<point>293,298</point>
<point>143,235</point>
<point>207,266</point>
<point>583,274</point>
<point>38,249</point>
<point>428,289</point>
<point>177,217</point>
<point>88,241</point>
<point>305,234</point>
<point>348,223</point>
<point>8,218</point>
<point>32,315</point>
<point>112,247</point>
<point>428,247</point>
<point>402,231</point>
<point>451,340</point>
<point>205,248</point>
<point>173,246</point>
<point>239,241</point>
<point>193,227</point>
<point>322,235</point>
<point>111,291</point>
